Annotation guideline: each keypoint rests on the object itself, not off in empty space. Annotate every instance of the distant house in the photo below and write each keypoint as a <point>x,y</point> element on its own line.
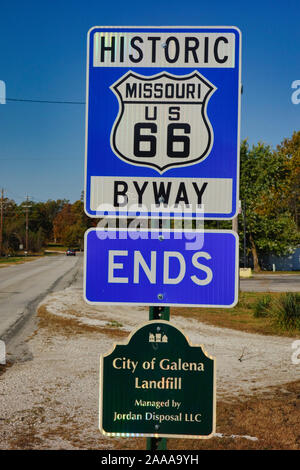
<point>290,262</point>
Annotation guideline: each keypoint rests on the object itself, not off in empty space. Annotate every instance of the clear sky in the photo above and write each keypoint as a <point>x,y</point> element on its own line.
<point>43,57</point>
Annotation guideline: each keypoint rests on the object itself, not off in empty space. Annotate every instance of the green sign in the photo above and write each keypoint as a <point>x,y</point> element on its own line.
<point>157,385</point>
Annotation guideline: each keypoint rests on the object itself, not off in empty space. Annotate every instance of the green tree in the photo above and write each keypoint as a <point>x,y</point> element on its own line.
<point>42,215</point>
<point>12,227</point>
<point>263,182</point>
<point>290,150</point>
<point>63,220</point>
<point>47,221</point>
<point>71,223</point>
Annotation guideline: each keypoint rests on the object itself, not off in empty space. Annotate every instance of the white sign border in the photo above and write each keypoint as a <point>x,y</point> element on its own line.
<point>162,231</point>
<point>156,435</point>
<point>178,217</point>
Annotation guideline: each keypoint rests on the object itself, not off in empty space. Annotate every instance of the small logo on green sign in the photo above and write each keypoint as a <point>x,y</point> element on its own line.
<point>157,385</point>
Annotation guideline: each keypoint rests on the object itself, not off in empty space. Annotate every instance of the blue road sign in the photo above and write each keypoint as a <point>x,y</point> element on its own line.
<point>162,122</point>
<point>161,267</point>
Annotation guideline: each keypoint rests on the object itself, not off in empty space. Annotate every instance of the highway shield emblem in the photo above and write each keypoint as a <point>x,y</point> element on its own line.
<point>162,121</point>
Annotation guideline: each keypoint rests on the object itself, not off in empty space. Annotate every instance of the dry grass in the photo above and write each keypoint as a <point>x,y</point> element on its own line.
<point>238,318</point>
<point>274,420</point>
<point>69,326</point>
<point>29,435</point>
<point>5,262</point>
<point>271,416</point>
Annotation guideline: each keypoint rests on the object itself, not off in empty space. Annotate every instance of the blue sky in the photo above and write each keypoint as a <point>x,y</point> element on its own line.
<point>43,57</point>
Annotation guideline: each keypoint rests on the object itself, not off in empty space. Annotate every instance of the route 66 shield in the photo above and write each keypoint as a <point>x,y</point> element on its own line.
<point>162,121</point>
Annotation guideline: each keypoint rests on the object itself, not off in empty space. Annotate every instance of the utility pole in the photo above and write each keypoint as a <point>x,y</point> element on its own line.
<point>26,224</point>
<point>235,224</point>
<point>1,221</point>
<point>235,228</point>
<point>244,226</point>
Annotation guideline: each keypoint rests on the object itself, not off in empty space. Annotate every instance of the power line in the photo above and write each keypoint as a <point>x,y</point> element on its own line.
<point>45,101</point>
<point>27,221</point>
<point>37,159</point>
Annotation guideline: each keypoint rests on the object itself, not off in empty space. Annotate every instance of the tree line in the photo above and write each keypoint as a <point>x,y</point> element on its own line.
<point>269,217</point>
<point>58,222</point>
<point>270,190</point>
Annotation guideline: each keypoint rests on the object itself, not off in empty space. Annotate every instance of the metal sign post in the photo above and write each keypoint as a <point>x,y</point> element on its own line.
<point>162,143</point>
<point>159,385</point>
<point>158,313</point>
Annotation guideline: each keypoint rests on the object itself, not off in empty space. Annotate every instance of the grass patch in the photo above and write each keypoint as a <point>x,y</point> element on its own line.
<point>278,410</point>
<point>262,306</point>
<point>20,259</point>
<point>69,327</point>
<point>11,260</point>
<point>114,324</point>
<point>272,417</point>
<point>283,311</point>
<point>286,311</point>
<point>241,317</point>
<point>59,247</point>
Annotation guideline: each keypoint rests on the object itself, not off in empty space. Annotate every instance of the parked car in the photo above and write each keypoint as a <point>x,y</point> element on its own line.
<point>71,252</point>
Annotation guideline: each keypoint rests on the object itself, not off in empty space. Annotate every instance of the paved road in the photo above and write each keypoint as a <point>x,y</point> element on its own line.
<point>271,283</point>
<point>23,286</point>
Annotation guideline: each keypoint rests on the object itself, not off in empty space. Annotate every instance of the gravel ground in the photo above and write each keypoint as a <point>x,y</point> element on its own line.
<point>50,400</point>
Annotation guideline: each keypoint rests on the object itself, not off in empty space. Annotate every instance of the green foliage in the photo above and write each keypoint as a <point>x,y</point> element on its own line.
<point>42,215</point>
<point>290,149</point>
<point>262,307</point>
<point>36,240</point>
<point>243,301</point>
<point>269,192</point>
<point>57,221</point>
<point>70,224</point>
<point>264,183</point>
<point>286,311</point>
<point>277,234</point>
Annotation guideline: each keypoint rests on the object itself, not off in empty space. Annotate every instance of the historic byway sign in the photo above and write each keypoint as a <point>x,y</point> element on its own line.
<point>161,267</point>
<point>162,121</point>
<point>161,153</point>
<point>157,385</point>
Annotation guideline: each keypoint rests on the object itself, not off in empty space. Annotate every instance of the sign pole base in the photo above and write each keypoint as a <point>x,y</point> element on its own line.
<point>154,443</point>
<point>158,313</point>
